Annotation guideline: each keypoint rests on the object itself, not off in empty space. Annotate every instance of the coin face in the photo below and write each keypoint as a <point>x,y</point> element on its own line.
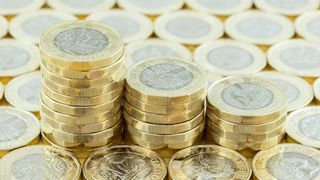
<point>259,27</point>
<point>218,7</point>
<point>13,7</point>
<point>297,57</point>
<point>287,161</point>
<point>29,26</point>
<point>138,162</point>
<point>188,27</point>
<point>17,58</point>
<point>307,26</point>
<point>208,162</point>
<point>228,57</point>
<point>166,77</point>
<point>38,162</point>
<point>24,91</point>
<point>4,26</point>
<point>17,128</point>
<point>141,27</point>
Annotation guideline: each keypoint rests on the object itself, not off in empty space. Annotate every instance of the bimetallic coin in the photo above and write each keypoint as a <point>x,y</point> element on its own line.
<point>1,90</point>
<point>17,58</point>
<point>297,57</point>
<point>138,162</point>
<point>79,7</point>
<point>40,162</point>
<point>287,7</point>
<point>188,27</point>
<point>303,126</point>
<point>155,48</point>
<point>298,92</point>
<point>307,26</point>
<point>3,26</point>
<point>17,128</point>
<point>29,26</point>
<point>13,7</point>
<point>24,91</point>
<point>316,89</point>
<point>219,7</point>
<point>247,100</point>
<point>165,81</point>
<point>228,57</point>
<point>208,162</point>
<point>152,7</point>
<point>259,27</point>
<point>141,27</point>
<point>287,161</point>
<point>81,45</point>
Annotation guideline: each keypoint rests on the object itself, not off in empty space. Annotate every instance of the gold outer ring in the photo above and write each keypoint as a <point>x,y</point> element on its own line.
<point>159,118</point>
<point>201,153</point>
<point>162,128</point>
<point>158,109</point>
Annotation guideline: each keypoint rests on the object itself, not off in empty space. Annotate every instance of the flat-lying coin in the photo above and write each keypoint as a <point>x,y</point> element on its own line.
<point>13,7</point>
<point>40,162</point>
<point>208,162</point>
<point>4,26</point>
<point>307,26</point>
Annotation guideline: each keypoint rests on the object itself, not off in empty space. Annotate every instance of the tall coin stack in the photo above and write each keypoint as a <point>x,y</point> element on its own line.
<point>164,103</point>
<point>83,75</point>
<point>246,112</point>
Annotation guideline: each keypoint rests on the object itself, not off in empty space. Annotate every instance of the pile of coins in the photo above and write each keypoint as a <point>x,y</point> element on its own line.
<point>164,103</point>
<point>83,73</point>
<point>246,112</point>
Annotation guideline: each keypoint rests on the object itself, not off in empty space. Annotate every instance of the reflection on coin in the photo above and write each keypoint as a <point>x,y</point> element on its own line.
<point>188,27</point>
<point>155,48</point>
<point>124,162</point>
<point>229,57</point>
<point>3,26</point>
<point>24,91</point>
<point>141,27</point>
<point>17,128</point>
<point>287,161</point>
<point>29,26</point>
<point>298,92</point>
<point>308,26</point>
<point>218,7</point>
<point>1,90</point>
<point>297,57</point>
<point>151,7</point>
<point>79,7</point>
<point>17,58</point>
<point>303,126</point>
<point>208,162</point>
<point>39,162</point>
<point>13,7</point>
<point>259,27</point>
<point>287,7</point>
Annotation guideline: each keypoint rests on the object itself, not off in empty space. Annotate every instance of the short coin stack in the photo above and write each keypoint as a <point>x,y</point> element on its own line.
<point>164,103</point>
<point>83,74</point>
<point>246,112</point>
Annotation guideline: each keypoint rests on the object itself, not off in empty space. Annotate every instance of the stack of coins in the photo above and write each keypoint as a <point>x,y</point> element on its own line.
<point>164,103</point>
<point>246,112</point>
<point>83,74</point>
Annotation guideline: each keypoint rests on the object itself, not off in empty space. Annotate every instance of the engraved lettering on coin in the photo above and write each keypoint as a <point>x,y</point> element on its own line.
<point>291,91</point>
<point>81,41</point>
<point>218,4</point>
<point>82,4</point>
<point>231,58</point>
<point>11,127</point>
<point>314,26</point>
<point>38,24</point>
<point>12,57</point>
<point>208,166</point>
<point>40,166</point>
<point>288,4</point>
<point>153,51</point>
<point>293,166</point>
<point>301,57</point>
<point>166,77</point>
<point>30,91</point>
<point>310,126</point>
<point>14,4</point>
<point>259,27</point>
<point>122,166</point>
<point>121,24</point>
<point>188,27</point>
<point>151,4</point>
<point>247,96</point>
